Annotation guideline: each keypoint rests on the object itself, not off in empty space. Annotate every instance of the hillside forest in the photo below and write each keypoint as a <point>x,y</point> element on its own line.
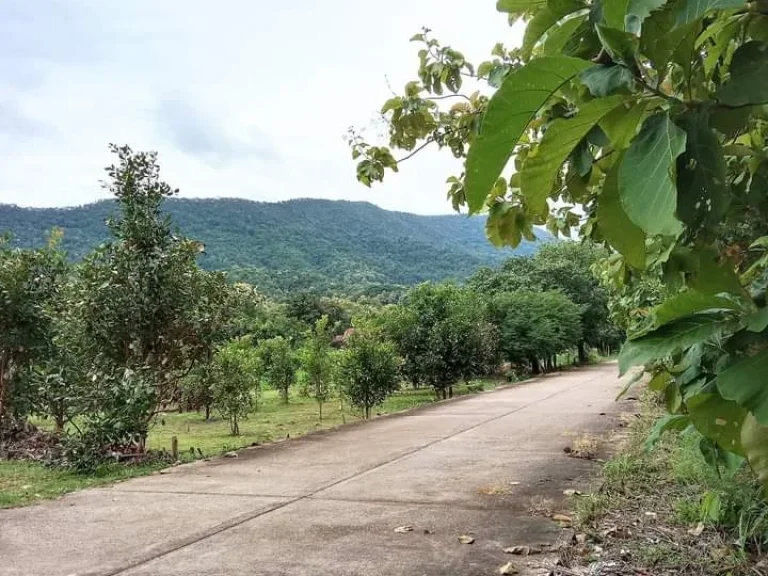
<point>327,247</point>
<point>97,347</point>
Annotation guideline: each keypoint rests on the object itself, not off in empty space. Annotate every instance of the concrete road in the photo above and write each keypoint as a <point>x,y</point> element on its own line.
<point>328,503</point>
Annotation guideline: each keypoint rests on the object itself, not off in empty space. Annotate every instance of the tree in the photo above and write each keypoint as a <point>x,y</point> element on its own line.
<point>368,371</point>
<point>280,364</point>
<point>536,326</point>
<point>30,281</point>
<point>236,376</point>
<point>443,335</point>
<point>651,117</point>
<point>147,310</point>
<point>317,363</point>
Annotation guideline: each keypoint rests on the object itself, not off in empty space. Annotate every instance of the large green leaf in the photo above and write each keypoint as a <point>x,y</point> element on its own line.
<point>519,7</point>
<point>660,39</point>
<point>758,321</point>
<point>749,76</point>
<point>745,383</point>
<point>562,136</point>
<point>616,227</point>
<point>667,423</point>
<point>754,440</point>
<point>543,21</point>
<point>512,107</point>
<point>621,46</point>
<point>614,13</point>
<point>604,80</point>
<point>629,14</point>
<point>646,176</point>
<point>688,303</point>
<point>690,10</point>
<point>718,419</point>
<point>714,276</point>
<point>559,35</point>
<point>670,338</point>
<point>642,8</point>
<point>622,125</point>
<point>702,191</point>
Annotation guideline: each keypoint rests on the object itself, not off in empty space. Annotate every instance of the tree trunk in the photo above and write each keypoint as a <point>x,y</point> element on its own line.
<point>367,412</point>
<point>234,426</point>
<point>450,391</point>
<point>207,412</point>
<point>320,407</point>
<point>284,395</point>
<point>535,366</point>
<point>582,353</point>
<point>3,384</point>
<point>59,416</point>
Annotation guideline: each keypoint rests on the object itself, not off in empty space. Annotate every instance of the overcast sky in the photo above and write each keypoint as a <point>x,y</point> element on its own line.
<point>245,98</point>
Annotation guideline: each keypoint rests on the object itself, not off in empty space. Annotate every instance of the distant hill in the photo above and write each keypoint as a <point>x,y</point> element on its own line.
<point>329,246</point>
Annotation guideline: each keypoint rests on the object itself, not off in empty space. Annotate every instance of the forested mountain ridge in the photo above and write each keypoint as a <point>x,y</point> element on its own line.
<point>294,245</point>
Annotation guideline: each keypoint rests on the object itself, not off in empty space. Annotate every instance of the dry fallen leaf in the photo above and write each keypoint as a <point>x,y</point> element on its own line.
<point>571,492</point>
<point>698,530</point>
<point>464,539</point>
<point>518,550</point>
<point>508,568</point>
<point>562,519</point>
<point>403,529</point>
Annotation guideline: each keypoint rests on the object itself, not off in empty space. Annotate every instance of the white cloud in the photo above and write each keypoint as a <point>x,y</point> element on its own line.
<point>240,98</point>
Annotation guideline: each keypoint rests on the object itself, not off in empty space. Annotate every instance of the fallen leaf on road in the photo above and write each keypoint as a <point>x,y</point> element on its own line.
<point>562,519</point>
<point>518,550</point>
<point>464,539</point>
<point>508,568</point>
<point>698,530</point>
<point>571,492</point>
<point>403,529</point>
<point>230,455</point>
<point>514,483</point>
<point>581,539</point>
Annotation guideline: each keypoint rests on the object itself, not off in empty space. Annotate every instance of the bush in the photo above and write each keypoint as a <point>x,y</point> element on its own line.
<point>236,377</point>
<point>368,371</point>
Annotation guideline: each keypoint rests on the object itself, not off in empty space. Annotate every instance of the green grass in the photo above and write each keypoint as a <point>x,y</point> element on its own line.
<point>23,483</point>
<point>674,481</point>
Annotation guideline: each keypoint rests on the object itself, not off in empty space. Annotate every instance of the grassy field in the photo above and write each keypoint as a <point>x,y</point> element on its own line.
<point>26,482</point>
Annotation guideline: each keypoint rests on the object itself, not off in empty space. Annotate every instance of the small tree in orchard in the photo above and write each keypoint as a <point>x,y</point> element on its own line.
<point>536,326</point>
<point>146,309</point>
<point>317,363</point>
<point>280,364</point>
<point>368,371</point>
<point>640,125</point>
<point>443,335</point>
<point>236,371</point>
<point>30,281</point>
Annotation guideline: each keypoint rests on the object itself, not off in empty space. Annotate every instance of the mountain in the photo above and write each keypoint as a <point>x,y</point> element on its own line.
<point>331,246</point>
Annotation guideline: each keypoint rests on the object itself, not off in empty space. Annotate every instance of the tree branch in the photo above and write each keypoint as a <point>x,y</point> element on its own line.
<point>447,96</point>
<point>416,151</point>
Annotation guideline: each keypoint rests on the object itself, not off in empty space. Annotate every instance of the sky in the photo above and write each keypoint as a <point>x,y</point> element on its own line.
<point>240,98</point>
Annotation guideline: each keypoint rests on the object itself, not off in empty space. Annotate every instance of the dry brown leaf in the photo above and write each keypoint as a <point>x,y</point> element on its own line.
<point>464,539</point>
<point>403,529</point>
<point>508,568</point>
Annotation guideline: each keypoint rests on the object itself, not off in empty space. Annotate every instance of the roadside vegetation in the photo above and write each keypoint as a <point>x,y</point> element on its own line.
<point>661,508</point>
